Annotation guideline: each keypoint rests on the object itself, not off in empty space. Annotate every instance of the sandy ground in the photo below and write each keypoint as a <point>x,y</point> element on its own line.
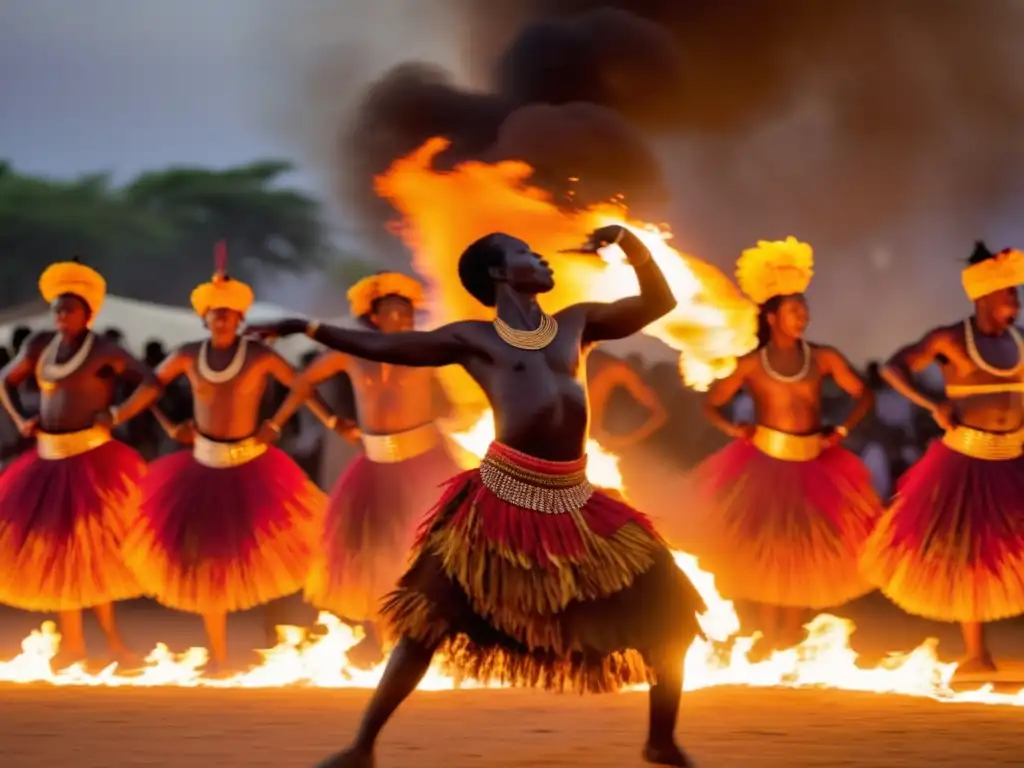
<point>168,728</point>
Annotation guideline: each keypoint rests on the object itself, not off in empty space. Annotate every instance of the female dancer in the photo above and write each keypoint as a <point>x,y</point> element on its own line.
<point>782,512</point>
<point>66,505</point>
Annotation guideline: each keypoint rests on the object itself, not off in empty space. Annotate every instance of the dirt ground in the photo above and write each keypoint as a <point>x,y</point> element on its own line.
<point>293,728</point>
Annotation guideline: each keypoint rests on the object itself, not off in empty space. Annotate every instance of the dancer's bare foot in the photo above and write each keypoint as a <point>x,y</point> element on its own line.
<point>666,754</point>
<point>67,658</point>
<point>223,670</point>
<point>350,758</point>
<point>976,665</point>
<point>762,650</point>
<point>126,659</point>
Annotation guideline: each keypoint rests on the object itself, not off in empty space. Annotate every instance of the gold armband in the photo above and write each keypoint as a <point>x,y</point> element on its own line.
<point>311,328</point>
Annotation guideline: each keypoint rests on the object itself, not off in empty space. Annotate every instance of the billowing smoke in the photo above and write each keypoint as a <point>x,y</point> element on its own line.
<point>885,133</point>
<point>565,98</point>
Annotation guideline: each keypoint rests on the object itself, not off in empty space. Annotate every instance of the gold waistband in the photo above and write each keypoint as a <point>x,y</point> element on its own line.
<point>401,446</point>
<point>212,453</point>
<point>968,390</point>
<point>782,445</point>
<point>539,491</point>
<point>64,446</point>
<point>985,445</point>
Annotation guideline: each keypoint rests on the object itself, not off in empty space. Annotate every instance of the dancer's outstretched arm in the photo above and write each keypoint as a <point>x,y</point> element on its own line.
<point>447,345</point>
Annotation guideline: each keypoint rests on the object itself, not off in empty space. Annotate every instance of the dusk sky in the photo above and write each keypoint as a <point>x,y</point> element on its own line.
<point>129,85</point>
<point>126,85</point>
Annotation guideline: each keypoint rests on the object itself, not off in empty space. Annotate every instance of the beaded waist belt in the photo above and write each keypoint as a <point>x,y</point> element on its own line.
<point>63,446</point>
<point>548,492</point>
<point>213,453</point>
<point>401,446</point>
<point>985,445</point>
<point>782,445</point>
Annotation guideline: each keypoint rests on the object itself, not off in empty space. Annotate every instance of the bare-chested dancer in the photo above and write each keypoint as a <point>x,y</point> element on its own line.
<point>526,573</point>
<point>66,505</point>
<point>781,514</point>
<point>609,375</point>
<point>376,505</point>
<point>230,524</point>
<point>951,545</point>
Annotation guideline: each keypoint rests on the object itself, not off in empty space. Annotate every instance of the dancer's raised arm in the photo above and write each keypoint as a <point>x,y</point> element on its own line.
<point>619,319</point>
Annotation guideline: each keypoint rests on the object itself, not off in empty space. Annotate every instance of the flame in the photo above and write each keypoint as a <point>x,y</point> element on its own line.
<point>713,325</point>
<point>443,212</point>
<point>823,659</point>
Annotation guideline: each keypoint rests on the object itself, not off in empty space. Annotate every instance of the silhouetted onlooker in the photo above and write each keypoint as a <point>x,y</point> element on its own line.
<point>18,337</point>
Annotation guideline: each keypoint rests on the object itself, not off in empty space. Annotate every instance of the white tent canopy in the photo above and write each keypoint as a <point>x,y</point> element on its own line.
<point>142,322</point>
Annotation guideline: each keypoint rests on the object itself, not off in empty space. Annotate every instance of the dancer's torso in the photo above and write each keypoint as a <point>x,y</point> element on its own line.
<point>539,397</point>
<point>390,398</point>
<point>985,400</point>
<point>228,410</point>
<point>793,407</point>
<point>70,401</point>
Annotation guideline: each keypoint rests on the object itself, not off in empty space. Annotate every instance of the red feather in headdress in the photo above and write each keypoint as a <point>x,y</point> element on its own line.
<point>220,258</point>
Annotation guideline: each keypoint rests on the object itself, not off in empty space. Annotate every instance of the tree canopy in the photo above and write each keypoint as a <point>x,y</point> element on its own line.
<point>153,237</point>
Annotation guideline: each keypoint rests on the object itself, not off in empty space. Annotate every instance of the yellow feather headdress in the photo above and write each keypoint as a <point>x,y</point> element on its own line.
<point>363,294</point>
<point>775,268</point>
<point>75,278</point>
<point>222,292</point>
<point>1004,270</point>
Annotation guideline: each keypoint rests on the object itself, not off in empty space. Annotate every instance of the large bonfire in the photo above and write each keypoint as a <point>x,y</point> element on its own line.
<point>714,324</point>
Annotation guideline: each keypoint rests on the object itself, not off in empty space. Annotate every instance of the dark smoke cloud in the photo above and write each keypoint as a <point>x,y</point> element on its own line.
<point>565,94</point>
<point>903,98</point>
<point>886,132</point>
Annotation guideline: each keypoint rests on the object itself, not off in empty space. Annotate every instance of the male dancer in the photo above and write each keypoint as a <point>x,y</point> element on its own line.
<point>609,374</point>
<point>525,572</point>
<point>951,545</point>
<point>378,501</point>
<point>66,504</point>
<point>230,524</point>
<point>783,511</point>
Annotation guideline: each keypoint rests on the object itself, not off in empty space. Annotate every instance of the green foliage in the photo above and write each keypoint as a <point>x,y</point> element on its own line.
<point>153,238</point>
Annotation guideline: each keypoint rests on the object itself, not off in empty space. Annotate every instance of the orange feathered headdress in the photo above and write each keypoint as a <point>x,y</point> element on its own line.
<point>1004,270</point>
<point>75,278</point>
<point>776,268</point>
<point>222,292</point>
<point>363,294</point>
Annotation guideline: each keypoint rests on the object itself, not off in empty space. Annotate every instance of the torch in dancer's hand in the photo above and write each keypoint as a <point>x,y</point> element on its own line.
<point>613,234</point>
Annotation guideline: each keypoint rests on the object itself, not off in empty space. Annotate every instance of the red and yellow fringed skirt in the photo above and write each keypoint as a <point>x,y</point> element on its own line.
<point>951,545</point>
<point>225,527</point>
<point>780,520</point>
<point>372,518</point>
<point>526,574</point>
<point>65,508</point>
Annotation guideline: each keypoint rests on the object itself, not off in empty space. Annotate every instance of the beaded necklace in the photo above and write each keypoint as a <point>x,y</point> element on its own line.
<point>233,368</point>
<point>978,360</point>
<point>538,338</point>
<point>798,376</point>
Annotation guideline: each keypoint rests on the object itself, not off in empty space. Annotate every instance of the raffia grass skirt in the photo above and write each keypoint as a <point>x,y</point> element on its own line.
<point>577,599</point>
